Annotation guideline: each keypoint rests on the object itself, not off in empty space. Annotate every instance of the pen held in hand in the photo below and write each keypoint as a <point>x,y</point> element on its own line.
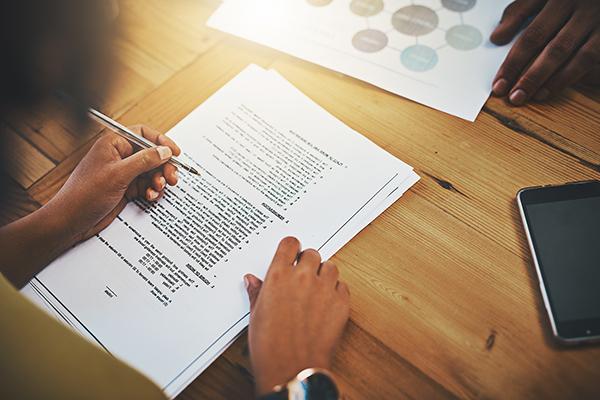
<point>132,137</point>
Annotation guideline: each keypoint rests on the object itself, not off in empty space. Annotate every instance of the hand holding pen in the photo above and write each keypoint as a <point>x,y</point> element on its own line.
<point>137,139</point>
<point>110,175</point>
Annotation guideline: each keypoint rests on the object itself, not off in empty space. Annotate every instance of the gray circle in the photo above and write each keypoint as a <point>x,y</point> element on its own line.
<point>419,58</point>
<point>366,8</point>
<point>459,5</point>
<point>319,3</point>
<point>370,40</point>
<point>415,20</point>
<point>464,37</point>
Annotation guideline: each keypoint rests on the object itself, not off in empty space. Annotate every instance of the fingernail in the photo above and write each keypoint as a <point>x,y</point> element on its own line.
<point>542,95</point>
<point>162,182</point>
<point>518,97</point>
<point>246,281</point>
<point>176,175</point>
<point>164,152</point>
<point>500,87</point>
<point>152,194</point>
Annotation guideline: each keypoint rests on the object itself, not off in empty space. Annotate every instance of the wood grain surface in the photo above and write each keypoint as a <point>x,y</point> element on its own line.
<point>445,302</point>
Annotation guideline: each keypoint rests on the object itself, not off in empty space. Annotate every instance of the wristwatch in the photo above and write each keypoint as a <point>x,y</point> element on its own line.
<point>310,384</point>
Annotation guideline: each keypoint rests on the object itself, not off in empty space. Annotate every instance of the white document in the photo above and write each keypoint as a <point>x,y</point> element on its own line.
<point>162,288</point>
<point>435,52</point>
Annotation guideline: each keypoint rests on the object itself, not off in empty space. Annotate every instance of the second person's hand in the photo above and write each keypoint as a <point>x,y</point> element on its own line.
<point>560,47</point>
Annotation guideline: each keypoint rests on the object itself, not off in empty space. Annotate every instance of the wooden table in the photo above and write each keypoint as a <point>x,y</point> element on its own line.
<point>445,302</point>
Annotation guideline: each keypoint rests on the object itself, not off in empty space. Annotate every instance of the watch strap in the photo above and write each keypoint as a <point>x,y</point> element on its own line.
<point>309,384</point>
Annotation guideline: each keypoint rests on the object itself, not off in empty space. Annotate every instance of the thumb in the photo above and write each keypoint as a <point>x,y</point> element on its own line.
<point>253,285</point>
<point>145,160</point>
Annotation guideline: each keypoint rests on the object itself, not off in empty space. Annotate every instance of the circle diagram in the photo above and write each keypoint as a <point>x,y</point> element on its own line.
<point>464,37</point>
<point>419,58</point>
<point>459,5</point>
<point>415,20</point>
<point>370,40</point>
<point>366,8</point>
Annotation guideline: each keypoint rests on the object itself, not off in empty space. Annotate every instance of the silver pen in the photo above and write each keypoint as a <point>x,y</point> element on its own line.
<point>132,137</point>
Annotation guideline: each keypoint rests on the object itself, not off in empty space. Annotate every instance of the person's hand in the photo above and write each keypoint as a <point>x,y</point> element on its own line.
<point>297,315</point>
<point>560,47</point>
<point>108,177</point>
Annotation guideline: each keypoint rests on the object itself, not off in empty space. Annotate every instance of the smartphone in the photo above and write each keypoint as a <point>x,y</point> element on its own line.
<point>562,224</point>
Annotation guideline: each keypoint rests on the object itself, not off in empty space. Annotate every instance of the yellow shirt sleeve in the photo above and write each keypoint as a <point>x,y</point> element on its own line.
<point>42,359</point>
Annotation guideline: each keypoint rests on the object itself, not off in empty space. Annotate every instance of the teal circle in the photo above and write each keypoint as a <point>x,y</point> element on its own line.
<point>419,58</point>
<point>464,37</point>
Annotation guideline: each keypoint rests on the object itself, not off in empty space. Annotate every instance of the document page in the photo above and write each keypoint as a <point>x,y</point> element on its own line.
<point>162,287</point>
<point>435,52</point>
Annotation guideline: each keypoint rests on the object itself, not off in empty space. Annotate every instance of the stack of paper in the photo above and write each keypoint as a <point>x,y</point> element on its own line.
<point>162,287</point>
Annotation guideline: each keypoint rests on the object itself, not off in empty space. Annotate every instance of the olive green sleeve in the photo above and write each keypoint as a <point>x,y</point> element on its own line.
<point>42,359</point>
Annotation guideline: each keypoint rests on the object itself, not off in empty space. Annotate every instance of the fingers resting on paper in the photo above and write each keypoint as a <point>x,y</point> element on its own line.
<point>559,46</point>
<point>302,302</point>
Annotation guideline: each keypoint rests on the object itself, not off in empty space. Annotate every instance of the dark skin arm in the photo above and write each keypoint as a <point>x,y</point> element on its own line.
<point>297,316</point>
<point>108,177</point>
<point>559,48</point>
<point>29,244</point>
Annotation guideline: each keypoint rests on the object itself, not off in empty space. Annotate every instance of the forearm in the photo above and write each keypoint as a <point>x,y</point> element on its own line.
<point>31,243</point>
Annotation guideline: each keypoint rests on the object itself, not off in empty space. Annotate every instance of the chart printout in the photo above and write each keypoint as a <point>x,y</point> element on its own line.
<point>435,52</point>
<point>162,287</point>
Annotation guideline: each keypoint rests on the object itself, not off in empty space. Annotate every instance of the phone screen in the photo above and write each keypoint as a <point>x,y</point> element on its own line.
<point>566,237</point>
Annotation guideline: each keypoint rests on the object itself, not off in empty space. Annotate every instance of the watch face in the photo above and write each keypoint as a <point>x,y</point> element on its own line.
<point>320,386</point>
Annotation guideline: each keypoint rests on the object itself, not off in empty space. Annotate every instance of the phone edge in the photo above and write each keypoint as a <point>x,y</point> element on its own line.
<point>555,335</point>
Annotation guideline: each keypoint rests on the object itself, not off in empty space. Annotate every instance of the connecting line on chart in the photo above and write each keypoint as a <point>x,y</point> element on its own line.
<point>416,21</point>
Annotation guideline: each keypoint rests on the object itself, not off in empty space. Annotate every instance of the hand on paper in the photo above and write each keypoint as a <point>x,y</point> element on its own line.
<point>559,48</point>
<point>109,176</point>
<point>297,315</point>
